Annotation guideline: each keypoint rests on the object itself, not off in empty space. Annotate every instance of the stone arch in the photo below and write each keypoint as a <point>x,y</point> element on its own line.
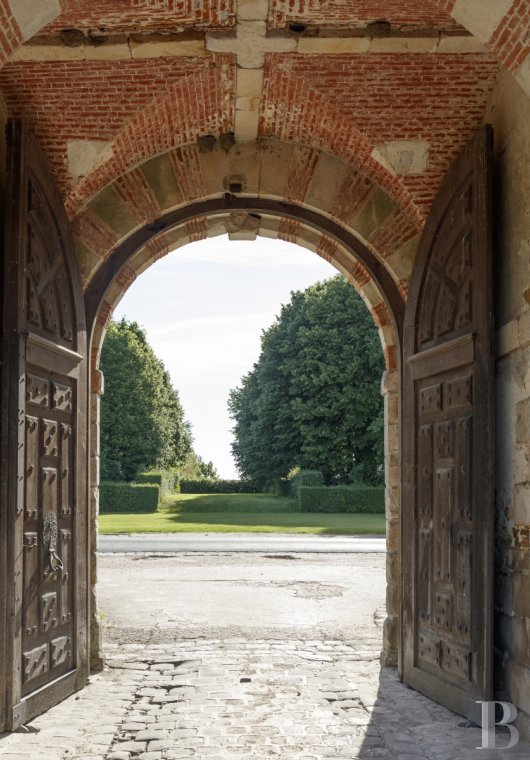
<point>169,123</point>
<point>267,168</point>
<point>244,221</point>
<point>244,218</point>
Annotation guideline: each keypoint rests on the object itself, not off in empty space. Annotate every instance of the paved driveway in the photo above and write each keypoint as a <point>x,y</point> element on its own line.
<point>246,657</point>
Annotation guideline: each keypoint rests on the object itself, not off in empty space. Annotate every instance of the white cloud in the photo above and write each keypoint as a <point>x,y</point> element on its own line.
<point>220,320</point>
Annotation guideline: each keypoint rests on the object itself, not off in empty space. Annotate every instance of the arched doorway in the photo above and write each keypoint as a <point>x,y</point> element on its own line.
<point>252,216</point>
<point>231,207</point>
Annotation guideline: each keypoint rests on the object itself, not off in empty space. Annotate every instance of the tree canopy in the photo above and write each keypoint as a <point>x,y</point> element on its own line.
<point>142,420</point>
<point>313,398</point>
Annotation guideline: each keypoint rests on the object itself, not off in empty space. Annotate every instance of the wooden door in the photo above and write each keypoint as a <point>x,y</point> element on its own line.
<point>448,442</point>
<point>43,457</point>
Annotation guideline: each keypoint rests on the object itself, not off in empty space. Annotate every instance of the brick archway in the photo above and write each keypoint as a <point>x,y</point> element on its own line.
<point>379,214</point>
<point>245,219</point>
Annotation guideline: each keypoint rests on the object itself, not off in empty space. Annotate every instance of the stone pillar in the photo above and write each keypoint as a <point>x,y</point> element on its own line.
<point>96,390</point>
<point>391,632</point>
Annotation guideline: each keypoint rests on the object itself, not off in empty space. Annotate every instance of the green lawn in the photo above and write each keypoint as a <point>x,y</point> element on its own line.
<point>239,513</point>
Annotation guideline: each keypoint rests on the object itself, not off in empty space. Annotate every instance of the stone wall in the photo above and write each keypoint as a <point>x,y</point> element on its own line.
<point>509,112</point>
<point>391,392</point>
<point>96,390</point>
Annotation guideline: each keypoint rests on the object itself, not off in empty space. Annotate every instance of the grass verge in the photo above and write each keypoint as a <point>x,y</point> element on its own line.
<point>239,513</point>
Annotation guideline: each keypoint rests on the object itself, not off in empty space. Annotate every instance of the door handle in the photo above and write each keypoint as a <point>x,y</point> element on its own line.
<point>49,539</point>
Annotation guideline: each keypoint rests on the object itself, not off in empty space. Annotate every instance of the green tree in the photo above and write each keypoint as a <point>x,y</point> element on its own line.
<point>142,420</point>
<point>207,470</point>
<point>313,398</point>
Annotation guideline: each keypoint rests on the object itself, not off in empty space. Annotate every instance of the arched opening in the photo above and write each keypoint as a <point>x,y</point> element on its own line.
<point>248,217</point>
<point>439,69</point>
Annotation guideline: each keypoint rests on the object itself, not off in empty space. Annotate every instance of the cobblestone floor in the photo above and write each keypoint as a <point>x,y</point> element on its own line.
<point>270,658</point>
<point>236,699</point>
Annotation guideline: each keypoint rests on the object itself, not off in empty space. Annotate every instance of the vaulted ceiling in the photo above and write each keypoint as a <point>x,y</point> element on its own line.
<point>391,89</point>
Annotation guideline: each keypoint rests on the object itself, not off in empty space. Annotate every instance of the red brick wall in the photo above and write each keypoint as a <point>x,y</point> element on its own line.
<point>125,15</point>
<point>401,13</point>
<point>145,106</point>
<point>385,97</point>
<point>10,33</point>
<point>511,40</point>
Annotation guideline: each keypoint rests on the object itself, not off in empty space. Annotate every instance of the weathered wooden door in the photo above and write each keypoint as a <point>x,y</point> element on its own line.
<point>448,442</point>
<point>43,457</point>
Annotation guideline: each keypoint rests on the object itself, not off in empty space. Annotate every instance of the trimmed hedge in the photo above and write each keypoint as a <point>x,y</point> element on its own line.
<point>305,478</point>
<point>279,487</point>
<point>355,498</point>
<point>219,486</point>
<point>168,480</point>
<point>128,497</point>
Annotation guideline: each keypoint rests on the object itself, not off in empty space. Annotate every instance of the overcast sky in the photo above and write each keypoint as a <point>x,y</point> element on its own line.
<point>203,308</point>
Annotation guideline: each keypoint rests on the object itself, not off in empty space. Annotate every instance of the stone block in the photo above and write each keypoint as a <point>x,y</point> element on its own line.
<point>507,338</point>
<point>150,734</point>
<point>328,178</point>
<point>482,19</point>
<point>31,16</point>
<point>523,75</point>
<point>512,636</point>
<point>376,210</point>
<point>252,10</point>
<point>521,594</point>
<point>522,424</point>
<point>249,83</point>
<point>162,181</point>
<point>401,262</point>
<point>390,642</point>
<point>82,155</point>
<point>160,744</point>
<point>404,45</point>
<point>109,207</point>
<point>455,44</point>
<point>392,434</point>
<point>392,535</point>
<point>517,678</point>
<point>521,504</point>
<point>131,746</point>
<point>308,238</point>
<point>275,159</point>
<point>167,48</point>
<point>246,126</point>
<point>524,328</point>
<point>332,45</point>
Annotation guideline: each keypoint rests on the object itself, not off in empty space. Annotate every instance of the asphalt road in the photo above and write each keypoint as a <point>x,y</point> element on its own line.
<point>271,543</point>
<point>158,598</point>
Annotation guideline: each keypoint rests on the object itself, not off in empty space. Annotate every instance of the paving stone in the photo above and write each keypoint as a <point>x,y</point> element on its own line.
<point>335,704</point>
<point>132,746</point>
<point>149,734</point>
